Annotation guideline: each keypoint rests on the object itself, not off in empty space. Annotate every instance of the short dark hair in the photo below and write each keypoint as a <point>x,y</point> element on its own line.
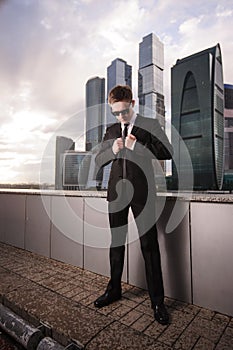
<point>120,93</point>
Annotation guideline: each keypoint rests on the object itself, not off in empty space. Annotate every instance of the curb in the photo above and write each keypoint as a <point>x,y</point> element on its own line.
<point>30,337</point>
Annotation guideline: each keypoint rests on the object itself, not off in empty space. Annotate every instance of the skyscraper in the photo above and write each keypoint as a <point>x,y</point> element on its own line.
<point>197,101</point>
<point>118,73</point>
<point>150,78</point>
<point>63,144</point>
<point>76,167</point>
<point>228,114</point>
<point>95,111</point>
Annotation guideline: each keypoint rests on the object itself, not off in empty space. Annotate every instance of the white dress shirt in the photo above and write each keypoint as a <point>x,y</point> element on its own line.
<point>130,127</point>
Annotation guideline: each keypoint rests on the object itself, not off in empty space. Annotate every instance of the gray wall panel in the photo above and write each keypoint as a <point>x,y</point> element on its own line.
<point>14,219</point>
<point>97,237</point>
<point>67,230</point>
<point>212,257</point>
<point>37,233</point>
<point>175,252</point>
<point>2,216</point>
<point>175,255</point>
<point>137,275</point>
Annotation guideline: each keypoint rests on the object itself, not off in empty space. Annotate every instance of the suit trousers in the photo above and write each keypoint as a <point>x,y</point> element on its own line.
<point>144,215</point>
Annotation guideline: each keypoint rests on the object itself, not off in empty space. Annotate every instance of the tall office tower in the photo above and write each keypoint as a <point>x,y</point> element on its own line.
<point>228,116</point>
<point>76,167</point>
<point>95,112</point>
<point>150,78</point>
<point>63,144</point>
<point>197,101</point>
<point>118,73</point>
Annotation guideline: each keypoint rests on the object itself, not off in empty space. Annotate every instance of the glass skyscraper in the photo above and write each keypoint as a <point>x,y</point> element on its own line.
<point>150,78</point>
<point>76,167</point>
<point>63,144</point>
<point>197,101</point>
<point>95,112</point>
<point>228,114</point>
<point>118,73</point>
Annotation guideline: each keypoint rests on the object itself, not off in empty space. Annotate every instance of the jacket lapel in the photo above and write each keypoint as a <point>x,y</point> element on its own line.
<point>117,130</point>
<point>136,128</point>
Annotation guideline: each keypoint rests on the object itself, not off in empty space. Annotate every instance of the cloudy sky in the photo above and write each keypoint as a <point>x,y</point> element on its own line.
<point>50,48</point>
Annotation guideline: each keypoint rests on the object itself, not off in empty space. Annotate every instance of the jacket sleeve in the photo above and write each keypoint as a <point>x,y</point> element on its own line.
<point>157,144</point>
<point>105,154</point>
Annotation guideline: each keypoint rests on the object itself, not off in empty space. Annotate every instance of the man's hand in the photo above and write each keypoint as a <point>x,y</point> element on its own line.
<point>130,141</point>
<point>118,144</point>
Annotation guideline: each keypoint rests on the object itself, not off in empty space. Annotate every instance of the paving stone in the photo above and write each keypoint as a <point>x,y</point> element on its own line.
<point>168,301</point>
<point>102,279</point>
<point>89,300</point>
<point>89,274</point>
<point>72,293</point>
<point>210,329</point>
<point>208,314</point>
<point>130,303</point>
<point>120,311</point>
<point>142,323</point>
<point>9,281</point>
<point>53,282</point>
<point>7,265</point>
<point>145,309</point>
<point>179,305</point>
<point>171,334</point>
<point>81,295</point>
<point>226,341</point>
<point>204,344</point>
<point>119,337</point>
<point>130,317</point>
<point>139,291</point>
<point>193,309</point>
<point>63,315</point>
<point>126,287</point>
<point>40,276</point>
<point>155,329</point>
<point>108,309</point>
<point>187,340</point>
<point>132,296</point>
<point>90,287</point>
<point>67,289</point>
<point>180,318</point>
<point>221,318</point>
<point>75,292</point>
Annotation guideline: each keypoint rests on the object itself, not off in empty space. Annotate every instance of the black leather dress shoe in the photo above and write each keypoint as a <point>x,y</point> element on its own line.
<point>161,314</point>
<point>107,298</point>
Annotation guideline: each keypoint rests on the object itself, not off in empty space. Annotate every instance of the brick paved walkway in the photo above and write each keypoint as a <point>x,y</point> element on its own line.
<point>61,295</point>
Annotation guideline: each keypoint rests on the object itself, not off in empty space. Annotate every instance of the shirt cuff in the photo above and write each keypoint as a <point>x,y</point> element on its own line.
<point>114,150</point>
<point>133,145</point>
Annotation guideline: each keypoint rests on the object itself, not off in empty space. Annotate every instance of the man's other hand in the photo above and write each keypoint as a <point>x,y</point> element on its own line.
<point>130,141</point>
<point>118,144</point>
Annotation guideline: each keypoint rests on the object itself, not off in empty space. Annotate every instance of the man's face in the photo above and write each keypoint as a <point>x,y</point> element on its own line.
<point>122,110</point>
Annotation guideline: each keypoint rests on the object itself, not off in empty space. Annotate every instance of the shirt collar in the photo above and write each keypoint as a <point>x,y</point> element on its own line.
<point>131,121</point>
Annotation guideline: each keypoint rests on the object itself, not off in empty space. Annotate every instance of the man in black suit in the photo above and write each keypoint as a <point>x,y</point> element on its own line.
<point>130,145</point>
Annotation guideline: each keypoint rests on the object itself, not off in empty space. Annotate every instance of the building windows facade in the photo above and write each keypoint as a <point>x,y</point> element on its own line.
<point>95,112</point>
<point>118,73</point>
<point>197,115</point>
<point>150,78</point>
<point>228,130</point>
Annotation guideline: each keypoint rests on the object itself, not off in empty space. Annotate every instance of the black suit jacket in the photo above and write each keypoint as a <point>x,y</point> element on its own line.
<point>151,143</point>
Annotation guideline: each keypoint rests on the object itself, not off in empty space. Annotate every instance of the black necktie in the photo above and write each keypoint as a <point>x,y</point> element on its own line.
<point>125,133</point>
